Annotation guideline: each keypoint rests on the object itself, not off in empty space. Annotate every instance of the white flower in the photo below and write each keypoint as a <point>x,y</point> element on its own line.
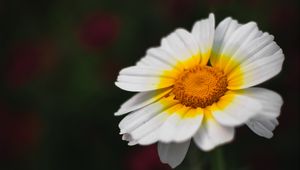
<point>199,85</point>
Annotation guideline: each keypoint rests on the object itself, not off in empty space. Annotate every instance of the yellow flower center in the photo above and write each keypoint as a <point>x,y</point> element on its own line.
<point>200,86</point>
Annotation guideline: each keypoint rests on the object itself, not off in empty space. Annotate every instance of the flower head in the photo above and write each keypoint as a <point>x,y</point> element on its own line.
<point>199,85</point>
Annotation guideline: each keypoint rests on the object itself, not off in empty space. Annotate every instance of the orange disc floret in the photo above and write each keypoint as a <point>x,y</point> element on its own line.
<point>200,86</point>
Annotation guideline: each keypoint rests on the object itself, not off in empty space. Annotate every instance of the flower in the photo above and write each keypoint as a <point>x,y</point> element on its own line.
<point>199,85</point>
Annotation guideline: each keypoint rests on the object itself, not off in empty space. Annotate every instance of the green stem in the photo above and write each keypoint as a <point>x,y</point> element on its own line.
<point>217,161</point>
<point>195,158</point>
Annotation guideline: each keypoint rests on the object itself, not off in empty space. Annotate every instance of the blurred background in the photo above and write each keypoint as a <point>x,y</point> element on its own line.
<point>59,61</point>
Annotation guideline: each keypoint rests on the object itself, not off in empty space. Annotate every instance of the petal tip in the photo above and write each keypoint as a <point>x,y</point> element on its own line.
<point>118,113</point>
<point>211,16</point>
<point>117,84</point>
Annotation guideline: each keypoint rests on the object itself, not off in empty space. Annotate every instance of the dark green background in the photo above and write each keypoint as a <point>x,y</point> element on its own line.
<point>59,61</point>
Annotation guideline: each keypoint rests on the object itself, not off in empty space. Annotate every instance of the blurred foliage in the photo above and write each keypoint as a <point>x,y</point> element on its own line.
<point>59,61</point>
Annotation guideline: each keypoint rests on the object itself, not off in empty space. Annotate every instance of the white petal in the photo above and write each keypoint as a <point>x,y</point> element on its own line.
<point>182,123</point>
<point>251,50</point>
<point>231,49</point>
<point>172,153</point>
<point>189,125</point>
<point>168,125</point>
<point>182,45</point>
<point>169,128</point>
<point>141,99</point>
<point>247,55</point>
<point>242,35</point>
<point>147,128</point>
<point>139,117</point>
<point>267,47</point>
<point>150,61</point>
<point>255,72</point>
<point>143,79</point>
<point>142,71</point>
<point>180,126</point>
<point>235,108</point>
<point>151,126</point>
<point>160,125</point>
<point>262,127</point>
<point>265,121</point>
<point>203,141</point>
<point>158,58</point>
<point>135,87</point>
<point>223,32</point>
<point>203,31</point>
<point>271,102</point>
<point>212,134</point>
<point>150,138</point>
<point>127,137</point>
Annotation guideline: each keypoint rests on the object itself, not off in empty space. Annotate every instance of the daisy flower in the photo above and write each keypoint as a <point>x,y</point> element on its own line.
<point>198,86</point>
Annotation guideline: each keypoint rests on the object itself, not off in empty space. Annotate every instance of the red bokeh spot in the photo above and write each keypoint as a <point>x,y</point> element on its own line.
<point>98,30</point>
<point>28,60</point>
<point>20,133</point>
<point>145,158</point>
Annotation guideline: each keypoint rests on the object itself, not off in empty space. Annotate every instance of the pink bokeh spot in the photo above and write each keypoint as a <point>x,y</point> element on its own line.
<point>20,132</point>
<point>98,30</point>
<point>28,60</point>
<point>145,158</point>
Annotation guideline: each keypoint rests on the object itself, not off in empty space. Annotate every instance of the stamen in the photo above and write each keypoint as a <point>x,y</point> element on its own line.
<point>200,86</point>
